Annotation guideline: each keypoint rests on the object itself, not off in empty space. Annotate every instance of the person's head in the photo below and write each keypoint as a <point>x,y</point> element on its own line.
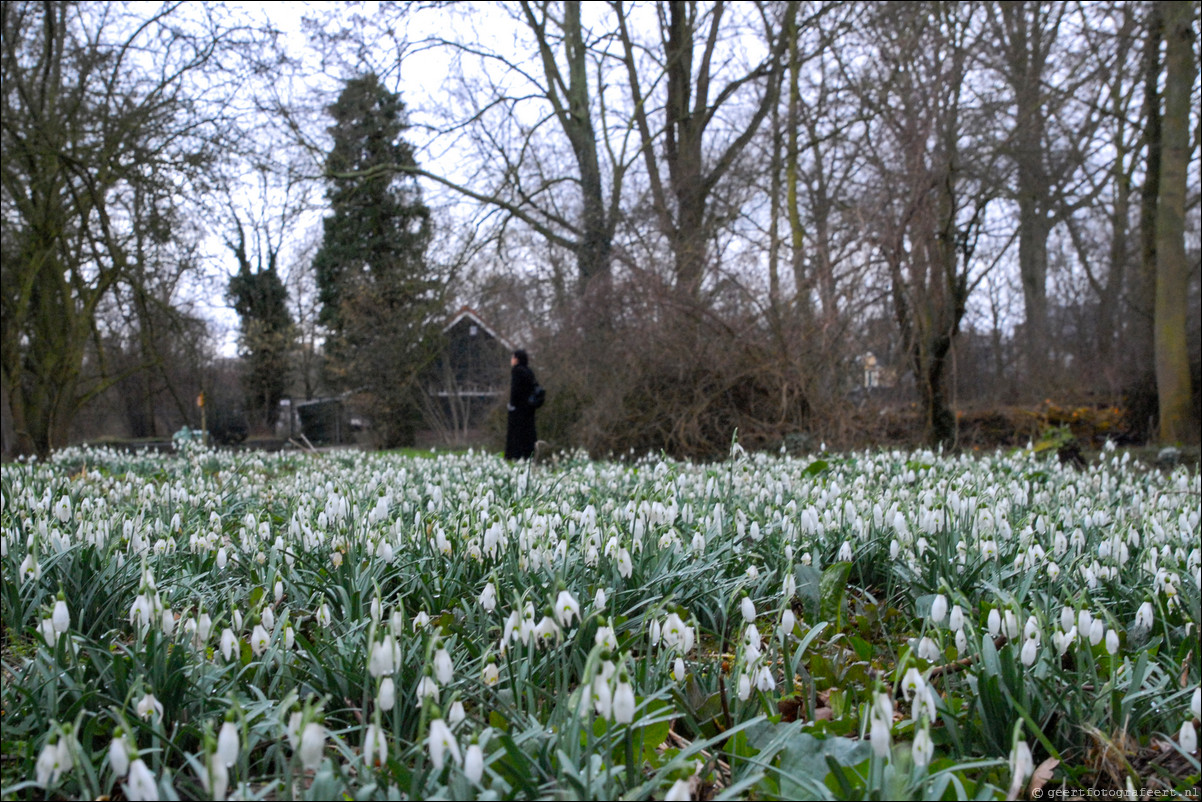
<point>520,357</point>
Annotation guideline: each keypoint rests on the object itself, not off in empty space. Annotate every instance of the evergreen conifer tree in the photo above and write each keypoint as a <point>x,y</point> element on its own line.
<point>378,295</point>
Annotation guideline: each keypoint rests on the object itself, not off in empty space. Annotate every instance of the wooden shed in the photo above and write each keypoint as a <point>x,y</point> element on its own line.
<point>469,378</point>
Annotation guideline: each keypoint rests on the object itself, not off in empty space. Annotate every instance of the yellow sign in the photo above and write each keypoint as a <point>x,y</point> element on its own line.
<point>200,399</point>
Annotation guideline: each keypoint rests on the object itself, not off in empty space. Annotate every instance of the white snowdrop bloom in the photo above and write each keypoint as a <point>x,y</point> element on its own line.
<point>994,622</point>
<point>141,785</point>
<point>955,621</point>
<point>473,763</point>
<point>289,637</point>
<point>1188,738</point>
<point>222,558</point>
<point>605,637</point>
<point>1195,703</point>
<point>456,714</point>
<point>928,650</point>
<point>764,680</point>
<point>491,674</point>
<point>149,706</point>
<point>386,697</point>
<point>323,616</point>
<point>787,622</point>
<point>312,745</point>
<point>912,682</point>
<point>1084,621</point>
<point>566,608</point>
<point>678,670</point>
<point>1010,624</point>
<point>380,661</point>
<point>547,631</point>
<point>1030,652</point>
<point>1097,630</point>
<point>602,696</point>
<point>624,702</point>
<point>1112,642</point>
<point>278,590</point>
<point>488,598</point>
<point>1022,765</point>
<point>625,566</point>
<point>879,737</point>
<point>268,619</point>
<point>442,743</point>
<point>50,763</point>
<point>46,627</point>
<point>227,743</point>
<point>961,642</point>
<point>61,617</point>
<point>938,608</point>
<point>1053,571</point>
<point>1067,617</point>
<point>1143,616</point>
<point>141,611</point>
<point>753,573</point>
<point>119,755</point>
<point>375,746</point>
<point>600,599</point>
<point>1031,629</point>
<point>444,669</point>
<point>845,552</point>
<point>680,791</point>
<point>259,640</point>
<point>228,643</point>
<point>923,747</point>
<point>427,688</point>
<point>744,687</point>
<point>747,607</point>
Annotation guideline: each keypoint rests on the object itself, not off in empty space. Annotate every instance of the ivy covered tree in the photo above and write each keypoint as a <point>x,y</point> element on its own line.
<point>261,301</point>
<point>379,297</point>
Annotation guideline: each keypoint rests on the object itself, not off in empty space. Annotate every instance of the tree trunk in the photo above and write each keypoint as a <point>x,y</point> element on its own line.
<point>1172,267</point>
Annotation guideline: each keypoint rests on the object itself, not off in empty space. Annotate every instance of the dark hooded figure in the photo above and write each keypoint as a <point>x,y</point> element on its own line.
<point>520,435</point>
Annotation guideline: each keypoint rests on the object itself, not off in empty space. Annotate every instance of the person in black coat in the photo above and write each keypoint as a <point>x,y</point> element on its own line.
<point>520,435</point>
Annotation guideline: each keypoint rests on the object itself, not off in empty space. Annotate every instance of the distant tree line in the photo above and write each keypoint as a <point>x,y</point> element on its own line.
<point>697,216</point>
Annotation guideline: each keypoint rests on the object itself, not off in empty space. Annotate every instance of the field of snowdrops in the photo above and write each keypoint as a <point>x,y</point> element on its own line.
<point>348,625</point>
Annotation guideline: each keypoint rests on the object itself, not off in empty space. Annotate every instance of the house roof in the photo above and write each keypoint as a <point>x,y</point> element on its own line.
<point>471,314</point>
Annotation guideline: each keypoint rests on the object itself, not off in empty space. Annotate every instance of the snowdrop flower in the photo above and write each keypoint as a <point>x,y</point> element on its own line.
<point>600,599</point>
<point>923,747</point>
<point>488,598</point>
<point>764,681</point>
<point>994,622</point>
<point>227,744</point>
<point>879,737</point>
<point>547,631</point>
<point>46,627</point>
<point>912,682</point>
<point>1067,617</point>
<point>1030,651</point>
<point>747,607</point>
<point>259,640</point>
<point>148,706</point>
<point>442,743</point>
<point>624,702</point>
<point>939,608</point>
<point>602,697</point>
<point>386,697</point>
<point>928,650</point>
<point>1112,642</point>
<point>1022,766</point>
<point>141,785</point>
<point>491,674</point>
<point>375,746</point>
<point>444,669</point>
<point>278,590</point>
<point>456,714</point>
<point>1188,738</point>
<point>955,621</point>
<point>566,608</point>
<point>323,616</point>
<point>268,619</point>
<point>625,566</point>
<point>1143,616</point>
<point>53,762</point>
<point>61,617</point>
<point>1195,703</point>
<point>1097,630</point>
<point>1084,621</point>
<point>427,688</point>
<point>678,670</point>
<point>228,643</point>
<point>744,687</point>
<point>1010,621</point>
<point>312,745</point>
<point>473,763</point>
<point>119,754</point>
<point>787,622</point>
<point>679,792</point>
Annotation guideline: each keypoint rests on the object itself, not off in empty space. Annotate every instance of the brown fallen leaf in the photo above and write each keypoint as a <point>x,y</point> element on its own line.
<point>1042,776</point>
